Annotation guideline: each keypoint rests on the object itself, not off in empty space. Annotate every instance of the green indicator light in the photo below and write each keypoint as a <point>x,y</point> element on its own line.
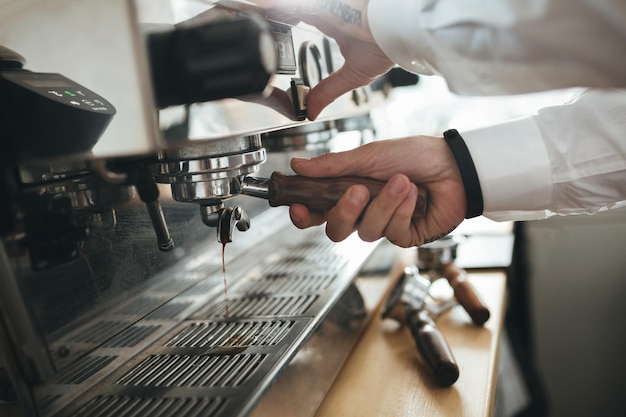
<point>69,93</point>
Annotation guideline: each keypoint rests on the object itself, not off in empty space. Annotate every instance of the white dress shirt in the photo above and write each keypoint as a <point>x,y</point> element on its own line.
<point>567,159</point>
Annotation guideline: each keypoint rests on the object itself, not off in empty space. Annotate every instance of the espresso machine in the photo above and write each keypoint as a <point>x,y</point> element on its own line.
<point>140,272</point>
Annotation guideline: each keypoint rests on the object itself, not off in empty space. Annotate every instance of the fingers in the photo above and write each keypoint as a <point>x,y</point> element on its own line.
<point>355,73</point>
<point>343,218</point>
<point>400,229</point>
<point>328,89</point>
<point>302,218</point>
<point>364,61</point>
<point>383,210</point>
<point>388,215</point>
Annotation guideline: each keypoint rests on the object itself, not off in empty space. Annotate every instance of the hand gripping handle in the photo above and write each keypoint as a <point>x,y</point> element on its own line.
<point>321,194</point>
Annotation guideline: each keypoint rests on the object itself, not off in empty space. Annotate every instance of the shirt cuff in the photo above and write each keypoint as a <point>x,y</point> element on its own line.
<point>512,164</point>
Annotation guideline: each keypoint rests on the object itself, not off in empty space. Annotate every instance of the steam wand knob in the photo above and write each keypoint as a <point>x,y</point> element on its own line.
<point>9,59</point>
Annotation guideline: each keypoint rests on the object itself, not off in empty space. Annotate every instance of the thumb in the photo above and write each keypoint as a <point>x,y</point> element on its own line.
<point>329,89</point>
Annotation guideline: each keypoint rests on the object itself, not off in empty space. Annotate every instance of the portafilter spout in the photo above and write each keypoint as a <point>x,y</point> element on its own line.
<point>231,218</point>
<point>226,220</point>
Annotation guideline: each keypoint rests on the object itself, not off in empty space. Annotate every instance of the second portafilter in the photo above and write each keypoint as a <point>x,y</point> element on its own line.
<point>410,304</point>
<point>436,260</point>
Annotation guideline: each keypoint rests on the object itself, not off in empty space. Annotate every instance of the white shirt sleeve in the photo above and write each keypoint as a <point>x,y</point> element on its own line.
<point>568,159</point>
<point>490,47</point>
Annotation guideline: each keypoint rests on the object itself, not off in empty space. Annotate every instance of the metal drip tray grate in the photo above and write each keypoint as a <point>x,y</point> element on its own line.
<point>259,306</point>
<point>193,371</point>
<point>303,265</point>
<point>214,364</point>
<point>86,368</point>
<point>243,333</point>
<point>132,336</point>
<point>286,282</point>
<point>111,406</point>
<point>99,333</point>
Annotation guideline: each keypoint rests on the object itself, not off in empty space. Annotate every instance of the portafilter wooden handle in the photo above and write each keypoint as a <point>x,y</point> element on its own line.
<point>321,194</point>
<point>433,346</point>
<point>465,293</point>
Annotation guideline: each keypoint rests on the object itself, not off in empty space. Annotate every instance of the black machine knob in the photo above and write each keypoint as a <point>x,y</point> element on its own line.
<point>399,77</point>
<point>396,77</point>
<point>211,60</point>
<point>10,59</point>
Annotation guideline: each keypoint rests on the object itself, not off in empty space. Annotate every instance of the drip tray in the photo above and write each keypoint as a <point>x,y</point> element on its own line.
<point>271,346</point>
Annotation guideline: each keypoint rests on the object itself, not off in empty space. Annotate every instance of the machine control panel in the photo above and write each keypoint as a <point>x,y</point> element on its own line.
<point>44,115</point>
<point>61,89</point>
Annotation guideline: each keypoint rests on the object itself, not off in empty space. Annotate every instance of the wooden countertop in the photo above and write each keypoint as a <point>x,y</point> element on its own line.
<point>386,376</point>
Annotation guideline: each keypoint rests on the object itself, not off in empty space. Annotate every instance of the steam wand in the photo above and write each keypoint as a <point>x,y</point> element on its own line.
<point>148,192</point>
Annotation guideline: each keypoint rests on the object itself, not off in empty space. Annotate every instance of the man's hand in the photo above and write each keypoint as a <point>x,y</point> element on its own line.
<point>346,22</point>
<point>403,163</point>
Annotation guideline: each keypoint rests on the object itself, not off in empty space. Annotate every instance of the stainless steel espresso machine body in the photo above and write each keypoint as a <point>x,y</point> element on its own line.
<point>136,279</point>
